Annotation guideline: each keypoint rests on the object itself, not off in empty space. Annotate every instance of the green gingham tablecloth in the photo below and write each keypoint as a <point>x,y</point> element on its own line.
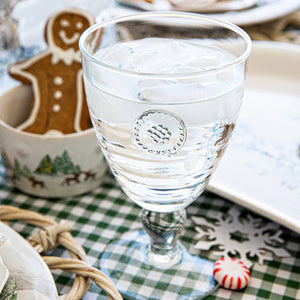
<point>105,213</point>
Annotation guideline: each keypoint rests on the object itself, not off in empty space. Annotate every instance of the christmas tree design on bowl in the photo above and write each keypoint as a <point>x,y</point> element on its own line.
<point>45,165</point>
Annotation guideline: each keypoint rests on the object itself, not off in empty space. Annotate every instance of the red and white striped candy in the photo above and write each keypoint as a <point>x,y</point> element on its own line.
<point>231,273</point>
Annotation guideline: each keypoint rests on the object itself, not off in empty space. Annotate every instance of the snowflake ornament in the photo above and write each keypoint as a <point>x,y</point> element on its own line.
<point>244,237</point>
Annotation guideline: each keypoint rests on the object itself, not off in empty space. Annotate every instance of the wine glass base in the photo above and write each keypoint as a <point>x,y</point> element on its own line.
<point>126,263</point>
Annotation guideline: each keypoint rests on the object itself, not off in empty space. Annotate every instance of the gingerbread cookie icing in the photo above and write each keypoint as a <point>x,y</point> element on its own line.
<point>59,103</point>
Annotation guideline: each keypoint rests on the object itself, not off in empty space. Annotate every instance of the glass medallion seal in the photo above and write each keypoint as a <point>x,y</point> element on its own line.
<point>158,132</point>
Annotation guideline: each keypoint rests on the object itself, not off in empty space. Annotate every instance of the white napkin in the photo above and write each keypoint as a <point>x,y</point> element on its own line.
<point>30,281</point>
<point>3,275</point>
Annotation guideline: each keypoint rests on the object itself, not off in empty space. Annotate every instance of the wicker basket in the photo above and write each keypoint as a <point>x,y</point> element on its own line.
<point>48,238</point>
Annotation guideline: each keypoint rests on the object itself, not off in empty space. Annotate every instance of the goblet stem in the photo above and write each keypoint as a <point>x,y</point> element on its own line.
<point>163,230</point>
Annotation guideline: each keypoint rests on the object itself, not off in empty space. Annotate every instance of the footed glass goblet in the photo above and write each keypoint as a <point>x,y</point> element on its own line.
<point>164,92</point>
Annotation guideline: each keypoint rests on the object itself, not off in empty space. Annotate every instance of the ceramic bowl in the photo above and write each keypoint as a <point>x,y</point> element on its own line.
<point>44,165</point>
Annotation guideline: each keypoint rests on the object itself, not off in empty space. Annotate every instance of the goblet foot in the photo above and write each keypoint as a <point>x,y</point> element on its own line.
<point>127,263</point>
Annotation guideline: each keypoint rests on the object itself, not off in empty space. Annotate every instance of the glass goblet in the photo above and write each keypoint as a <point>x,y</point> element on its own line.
<point>164,91</point>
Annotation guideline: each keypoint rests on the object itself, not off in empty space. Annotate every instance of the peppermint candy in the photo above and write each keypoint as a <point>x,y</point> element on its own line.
<point>231,273</point>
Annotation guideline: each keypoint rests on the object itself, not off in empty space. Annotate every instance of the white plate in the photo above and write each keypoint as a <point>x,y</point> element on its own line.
<point>265,10</point>
<point>261,167</point>
<point>28,267</point>
<point>201,7</point>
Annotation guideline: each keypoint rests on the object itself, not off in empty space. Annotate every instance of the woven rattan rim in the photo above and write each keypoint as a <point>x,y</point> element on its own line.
<point>49,237</point>
<point>285,29</point>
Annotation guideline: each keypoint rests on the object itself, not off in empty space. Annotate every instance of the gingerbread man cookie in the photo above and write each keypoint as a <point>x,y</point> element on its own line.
<point>59,104</point>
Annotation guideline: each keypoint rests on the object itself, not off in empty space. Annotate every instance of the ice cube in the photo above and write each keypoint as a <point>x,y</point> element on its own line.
<point>114,55</point>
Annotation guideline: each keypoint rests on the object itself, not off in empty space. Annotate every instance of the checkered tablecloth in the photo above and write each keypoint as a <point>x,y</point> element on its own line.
<point>105,213</point>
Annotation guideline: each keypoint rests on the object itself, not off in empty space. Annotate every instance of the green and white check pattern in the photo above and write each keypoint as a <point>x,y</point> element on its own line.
<point>125,259</point>
<point>106,213</point>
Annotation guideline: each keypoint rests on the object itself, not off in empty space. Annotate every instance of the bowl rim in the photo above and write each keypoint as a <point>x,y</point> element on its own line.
<point>36,135</point>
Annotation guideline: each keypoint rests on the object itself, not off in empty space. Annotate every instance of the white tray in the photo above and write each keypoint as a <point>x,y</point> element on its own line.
<point>261,167</point>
